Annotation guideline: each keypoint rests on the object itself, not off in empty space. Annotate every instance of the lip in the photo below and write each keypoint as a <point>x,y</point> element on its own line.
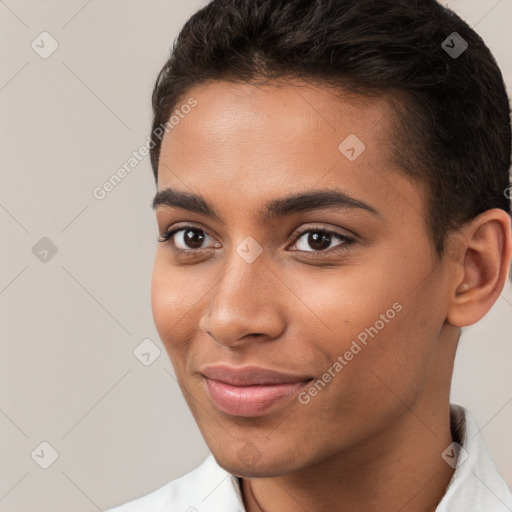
<point>250,390</point>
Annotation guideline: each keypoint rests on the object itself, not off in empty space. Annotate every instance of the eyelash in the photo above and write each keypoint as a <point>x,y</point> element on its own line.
<point>166,238</point>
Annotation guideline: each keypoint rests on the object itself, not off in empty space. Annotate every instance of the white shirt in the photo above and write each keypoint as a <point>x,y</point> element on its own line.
<point>476,485</point>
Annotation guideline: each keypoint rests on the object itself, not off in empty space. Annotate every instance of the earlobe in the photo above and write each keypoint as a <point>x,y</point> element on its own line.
<point>479,271</point>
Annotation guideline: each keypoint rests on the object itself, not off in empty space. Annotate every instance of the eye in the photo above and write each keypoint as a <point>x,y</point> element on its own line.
<point>190,239</point>
<point>321,240</point>
<point>186,238</point>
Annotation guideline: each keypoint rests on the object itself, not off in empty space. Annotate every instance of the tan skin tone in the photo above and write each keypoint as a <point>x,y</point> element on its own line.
<point>372,438</point>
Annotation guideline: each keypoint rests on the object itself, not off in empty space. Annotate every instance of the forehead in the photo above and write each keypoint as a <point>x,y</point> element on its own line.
<point>278,112</point>
<point>251,142</point>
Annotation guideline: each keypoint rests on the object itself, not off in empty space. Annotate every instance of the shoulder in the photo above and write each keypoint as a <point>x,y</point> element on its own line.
<point>207,484</point>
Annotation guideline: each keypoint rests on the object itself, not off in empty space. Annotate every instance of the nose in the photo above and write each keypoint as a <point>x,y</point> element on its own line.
<point>245,305</point>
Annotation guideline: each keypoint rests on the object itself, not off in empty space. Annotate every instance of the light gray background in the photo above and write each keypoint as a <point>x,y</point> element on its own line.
<point>69,326</point>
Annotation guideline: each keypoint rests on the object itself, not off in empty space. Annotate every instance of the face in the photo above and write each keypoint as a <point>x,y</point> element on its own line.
<point>305,254</point>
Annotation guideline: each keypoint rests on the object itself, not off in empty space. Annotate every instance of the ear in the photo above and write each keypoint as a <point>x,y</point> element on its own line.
<point>479,257</point>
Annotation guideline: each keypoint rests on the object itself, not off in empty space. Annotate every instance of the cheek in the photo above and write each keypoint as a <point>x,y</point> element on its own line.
<point>397,351</point>
<point>160,298</point>
<point>378,330</point>
<point>177,296</point>
<point>169,302</point>
<point>344,306</point>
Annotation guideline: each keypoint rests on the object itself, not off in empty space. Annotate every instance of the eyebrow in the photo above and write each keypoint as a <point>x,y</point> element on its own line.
<point>274,209</point>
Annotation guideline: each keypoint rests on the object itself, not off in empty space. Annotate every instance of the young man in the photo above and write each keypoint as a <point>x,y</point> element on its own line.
<point>333,207</point>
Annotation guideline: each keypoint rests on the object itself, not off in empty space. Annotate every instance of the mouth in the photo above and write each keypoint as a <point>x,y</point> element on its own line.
<point>250,391</point>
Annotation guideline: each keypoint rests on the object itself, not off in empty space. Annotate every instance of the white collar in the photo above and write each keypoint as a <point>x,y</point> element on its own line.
<point>476,485</point>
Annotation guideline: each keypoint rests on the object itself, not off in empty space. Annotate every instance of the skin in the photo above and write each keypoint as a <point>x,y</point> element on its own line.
<point>372,438</point>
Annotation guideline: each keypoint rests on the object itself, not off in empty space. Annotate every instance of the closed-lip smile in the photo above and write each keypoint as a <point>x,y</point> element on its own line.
<point>250,390</point>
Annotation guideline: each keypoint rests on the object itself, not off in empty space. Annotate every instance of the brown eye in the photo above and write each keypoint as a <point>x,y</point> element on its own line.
<point>192,238</point>
<point>320,240</point>
<point>186,238</point>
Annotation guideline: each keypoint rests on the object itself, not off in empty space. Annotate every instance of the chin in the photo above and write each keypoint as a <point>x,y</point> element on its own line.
<point>247,465</point>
